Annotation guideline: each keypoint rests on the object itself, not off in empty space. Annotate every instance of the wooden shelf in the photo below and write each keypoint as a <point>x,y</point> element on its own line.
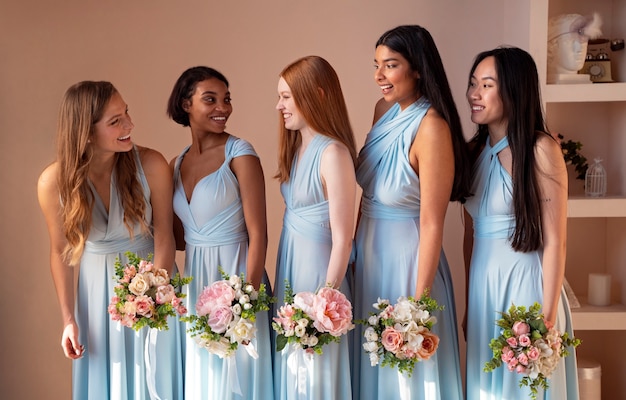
<point>590,92</point>
<point>595,318</point>
<point>591,207</point>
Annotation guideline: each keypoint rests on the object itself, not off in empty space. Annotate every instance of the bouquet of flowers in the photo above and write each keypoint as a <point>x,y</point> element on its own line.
<point>145,295</point>
<point>399,335</point>
<point>312,320</point>
<point>528,347</point>
<point>226,312</point>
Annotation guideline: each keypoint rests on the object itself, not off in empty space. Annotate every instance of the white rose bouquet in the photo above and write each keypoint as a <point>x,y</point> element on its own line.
<point>145,295</point>
<point>528,347</point>
<point>226,314</point>
<point>399,335</point>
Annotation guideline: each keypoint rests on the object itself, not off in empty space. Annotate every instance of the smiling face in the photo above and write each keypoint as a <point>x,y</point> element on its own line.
<point>292,116</point>
<point>112,132</point>
<point>209,106</point>
<point>395,77</point>
<point>483,95</point>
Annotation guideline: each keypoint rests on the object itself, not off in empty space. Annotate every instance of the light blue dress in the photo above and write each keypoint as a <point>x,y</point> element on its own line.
<point>303,255</point>
<point>499,277</point>
<point>216,235</point>
<point>114,365</point>
<point>387,246</point>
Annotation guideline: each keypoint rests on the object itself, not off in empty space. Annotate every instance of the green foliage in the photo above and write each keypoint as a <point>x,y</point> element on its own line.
<point>572,155</point>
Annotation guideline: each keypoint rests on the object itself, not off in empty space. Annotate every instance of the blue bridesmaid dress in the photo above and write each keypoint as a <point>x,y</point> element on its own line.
<point>499,277</point>
<point>216,235</point>
<point>387,245</point>
<point>114,364</point>
<point>303,255</point>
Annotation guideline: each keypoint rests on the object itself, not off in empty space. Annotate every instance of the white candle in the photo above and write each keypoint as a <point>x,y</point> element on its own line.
<point>599,290</point>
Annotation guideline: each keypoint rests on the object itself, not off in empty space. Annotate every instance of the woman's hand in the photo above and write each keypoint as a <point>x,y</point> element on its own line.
<point>71,347</point>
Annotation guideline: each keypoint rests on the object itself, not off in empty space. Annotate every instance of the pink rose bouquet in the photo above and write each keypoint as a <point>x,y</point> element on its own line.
<point>399,335</point>
<point>312,320</point>
<point>526,346</point>
<point>145,295</point>
<point>226,314</point>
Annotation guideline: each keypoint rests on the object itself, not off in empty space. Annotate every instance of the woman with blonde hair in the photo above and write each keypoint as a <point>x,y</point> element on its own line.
<point>102,197</point>
<point>316,172</point>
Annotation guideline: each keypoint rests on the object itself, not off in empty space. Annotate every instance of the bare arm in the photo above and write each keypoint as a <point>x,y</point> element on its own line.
<point>159,179</point>
<point>249,174</point>
<point>432,156</point>
<point>552,178</point>
<point>468,247</point>
<point>179,232</point>
<point>62,273</point>
<point>339,180</point>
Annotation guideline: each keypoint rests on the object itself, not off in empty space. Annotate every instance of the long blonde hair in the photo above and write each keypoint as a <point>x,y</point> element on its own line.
<point>82,107</point>
<point>317,93</point>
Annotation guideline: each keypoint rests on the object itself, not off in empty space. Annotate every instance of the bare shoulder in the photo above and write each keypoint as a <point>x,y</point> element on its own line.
<point>48,178</point>
<point>151,159</point>
<point>336,151</point>
<point>433,124</point>
<point>546,146</point>
<point>381,108</point>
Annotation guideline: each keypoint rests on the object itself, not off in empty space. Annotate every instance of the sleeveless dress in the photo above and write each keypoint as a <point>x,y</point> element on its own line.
<point>216,235</point>
<point>387,246</point>
<point>303,255</point>
<point>114,366</point>
<point>500,276</point>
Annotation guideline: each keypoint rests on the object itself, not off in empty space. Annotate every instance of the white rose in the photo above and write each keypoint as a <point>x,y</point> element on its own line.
<point>242,331</point>
<point>370,346</point>
<point>303,322</point>
<point>247,306</point>
<point>373,320</point>
<point>313,340</point>
<point>370,335</point>
<point>374,359</point>
<point>244,299</point>
<point>236,309</point>
<point>235,282</point>
<point>248,289</point>
<point>220,348</point>
<point>138,285</point>
<point>300,330</point>
<point>160,277</point>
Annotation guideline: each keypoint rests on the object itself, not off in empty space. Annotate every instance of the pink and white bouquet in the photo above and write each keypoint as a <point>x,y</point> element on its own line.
<point>399,335</point>
<point>312,320</point>
<point>226,314</point>
<point>526,346</point>
<point>145,295</point>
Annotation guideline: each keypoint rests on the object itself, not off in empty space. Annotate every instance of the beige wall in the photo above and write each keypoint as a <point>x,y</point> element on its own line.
<point>142,46</point>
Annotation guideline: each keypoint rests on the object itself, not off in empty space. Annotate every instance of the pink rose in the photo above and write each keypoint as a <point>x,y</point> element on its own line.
<point>333,312</point>
<point>521,328</point>
<point>520,369</point>
<point>524,341</point>
<point>145,266</point>
<point>219,318</point>
<point>219,293</point>
<point>533,353</point>
<point>507,354</point>
<point>128,320</point>
<point>523,359</point>
<point>512,364</point>
<point>392,340</point>
<point>285,313</point>
<point>145,305</point>
<point>512,341</point>
<point>165,294</point>
<point>429,345</point>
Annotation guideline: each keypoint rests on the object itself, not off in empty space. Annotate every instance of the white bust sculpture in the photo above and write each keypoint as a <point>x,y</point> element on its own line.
<point>568,35</point>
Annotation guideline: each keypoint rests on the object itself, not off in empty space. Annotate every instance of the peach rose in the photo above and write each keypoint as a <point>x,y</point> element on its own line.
<point>429,345</point>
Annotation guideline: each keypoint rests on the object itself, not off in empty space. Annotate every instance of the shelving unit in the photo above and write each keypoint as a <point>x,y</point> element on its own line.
<point>594,114</point>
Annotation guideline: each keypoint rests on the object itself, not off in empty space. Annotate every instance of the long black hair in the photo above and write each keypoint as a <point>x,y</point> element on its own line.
<point>518,84</point>
<point>417,46</point>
